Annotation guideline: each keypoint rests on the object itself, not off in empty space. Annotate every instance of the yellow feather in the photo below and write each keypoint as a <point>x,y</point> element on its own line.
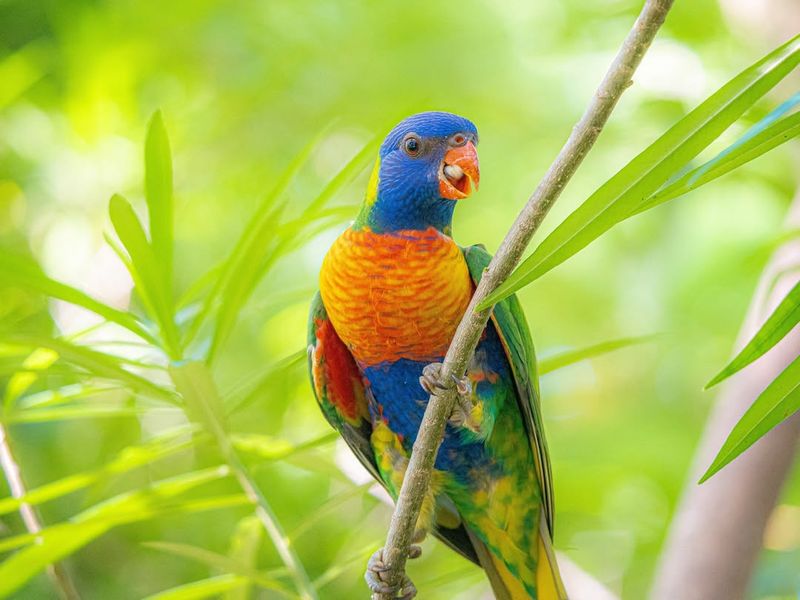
<point>372,185</point>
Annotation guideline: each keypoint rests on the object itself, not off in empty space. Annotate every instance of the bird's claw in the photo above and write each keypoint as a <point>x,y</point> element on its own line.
<point>376,574</point>
<point>431,379</point>
<point>431,382</point>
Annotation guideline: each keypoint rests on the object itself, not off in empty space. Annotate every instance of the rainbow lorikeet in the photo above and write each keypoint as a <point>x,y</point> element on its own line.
<point>393,288</point>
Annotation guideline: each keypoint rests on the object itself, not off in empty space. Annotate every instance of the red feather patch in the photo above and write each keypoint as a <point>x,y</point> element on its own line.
<point>338,373</point>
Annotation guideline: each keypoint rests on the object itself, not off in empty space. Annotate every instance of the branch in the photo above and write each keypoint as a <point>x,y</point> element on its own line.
<point>582,138</point>
<point>56,572</point>
<point>718,529</point>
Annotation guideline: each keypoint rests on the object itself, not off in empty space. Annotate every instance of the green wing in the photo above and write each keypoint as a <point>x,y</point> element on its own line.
<point>343,399</point>
<point>515,335</point>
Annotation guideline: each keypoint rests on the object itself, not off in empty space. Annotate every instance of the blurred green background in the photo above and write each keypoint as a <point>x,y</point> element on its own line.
<point>244,87</point>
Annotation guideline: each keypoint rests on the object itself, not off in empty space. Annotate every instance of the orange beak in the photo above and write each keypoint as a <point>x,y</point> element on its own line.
<point>459,172</point>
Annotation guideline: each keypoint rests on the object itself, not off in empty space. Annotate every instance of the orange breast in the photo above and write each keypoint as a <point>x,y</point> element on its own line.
<point>398,295</point>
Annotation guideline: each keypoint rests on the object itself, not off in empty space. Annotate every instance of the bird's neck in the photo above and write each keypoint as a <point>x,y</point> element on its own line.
<point>407,214</point>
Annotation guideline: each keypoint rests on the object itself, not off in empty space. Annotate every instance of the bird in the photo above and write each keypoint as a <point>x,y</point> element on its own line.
<point>392,290</point>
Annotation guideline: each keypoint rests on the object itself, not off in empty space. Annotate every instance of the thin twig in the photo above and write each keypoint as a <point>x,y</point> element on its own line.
<point>56,571</point>
<point>582,138</point>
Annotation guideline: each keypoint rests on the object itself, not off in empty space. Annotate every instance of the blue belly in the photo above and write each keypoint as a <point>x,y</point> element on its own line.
<point>398,399</point>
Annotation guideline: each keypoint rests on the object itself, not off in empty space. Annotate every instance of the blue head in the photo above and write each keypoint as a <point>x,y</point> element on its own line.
<point>426,163</point>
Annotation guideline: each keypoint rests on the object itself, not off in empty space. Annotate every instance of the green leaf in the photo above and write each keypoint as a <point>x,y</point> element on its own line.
<point>56,542</point>
<point>204,588</point>
<point>778,324</point>
<point>145,270</point>
<point>779,401</point>
<point>563,359</point>
<point>761,143</point>
<point>69,413</point>
<point>270,448</point>
<point>619,197</point>
<point>98,364</point>
<point>64,394</point>
<point>220,562</point>
<point>131,233</point>
<point>20,271</point>
<point>158,192</point>
<point>38,360</point>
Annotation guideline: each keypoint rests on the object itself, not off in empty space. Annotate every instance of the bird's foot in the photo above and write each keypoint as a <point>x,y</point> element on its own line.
<point>431,379</point>
<point>462,415</point>
<point>377,571</point>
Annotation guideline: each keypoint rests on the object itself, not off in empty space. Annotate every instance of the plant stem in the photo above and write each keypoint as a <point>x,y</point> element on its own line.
<point>582,138</point>
<point>194,382</point>
<point>56,572</point>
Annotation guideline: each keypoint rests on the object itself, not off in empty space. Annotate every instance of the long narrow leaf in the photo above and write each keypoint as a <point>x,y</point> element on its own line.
<point>18,270</point>
<point>70,413</point>
<point>99,364</point>
<point>211,587</point>
<point>268,448</point>
<point>754,147</point>
<point>779,401</point>
<point>145,271</point>
<point>570,357</point>
<point>778,324</point>
<point>617,199</point>
<point>39,360</point>
<point>64,394</point>
<point>158,192</point>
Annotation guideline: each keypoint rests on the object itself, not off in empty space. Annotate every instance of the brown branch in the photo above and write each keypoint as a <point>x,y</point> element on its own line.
<point>582,138</point>
<point>56,572</point>
<point>717,532</point>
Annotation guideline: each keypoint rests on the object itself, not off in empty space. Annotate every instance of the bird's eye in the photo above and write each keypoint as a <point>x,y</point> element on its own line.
<point>411,145</point>
<point>459,139</point>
